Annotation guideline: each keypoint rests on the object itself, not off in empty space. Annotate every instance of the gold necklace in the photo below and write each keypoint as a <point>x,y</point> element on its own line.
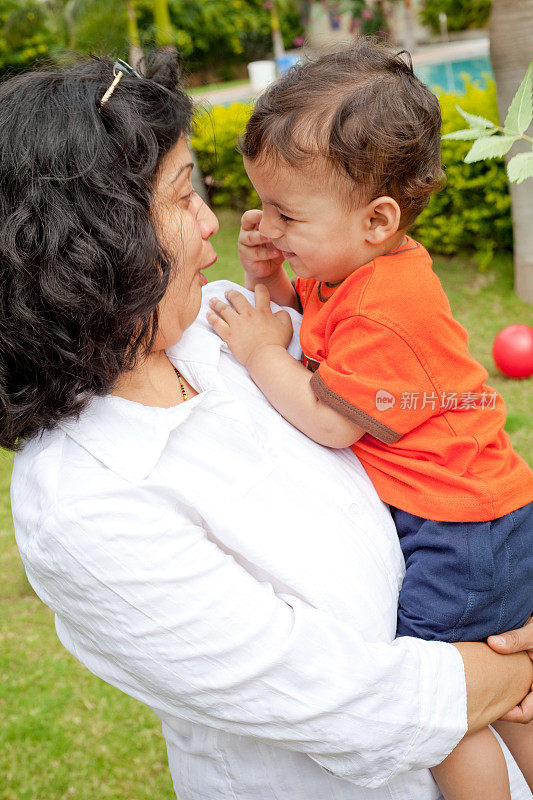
<point>180,380</point>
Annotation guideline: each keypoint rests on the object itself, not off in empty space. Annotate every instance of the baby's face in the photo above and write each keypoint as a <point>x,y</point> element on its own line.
<point>307,221</point>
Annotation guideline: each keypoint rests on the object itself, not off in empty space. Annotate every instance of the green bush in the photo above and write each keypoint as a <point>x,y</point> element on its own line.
<point>461,14</point>
<point>473,212</point>
<point>219,34</point>
<point>99,28</point>
<point>215,142</point>
<point>213,37</point>
<point>27,35</point>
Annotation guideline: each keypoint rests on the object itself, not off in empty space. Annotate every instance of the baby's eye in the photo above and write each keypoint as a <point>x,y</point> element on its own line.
<point>285,218</point>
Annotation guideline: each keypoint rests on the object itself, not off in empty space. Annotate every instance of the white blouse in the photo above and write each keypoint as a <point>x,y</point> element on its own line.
<point>241,580</point>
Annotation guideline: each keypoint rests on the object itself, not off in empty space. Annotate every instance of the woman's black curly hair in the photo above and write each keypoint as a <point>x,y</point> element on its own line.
<point>81,267</point>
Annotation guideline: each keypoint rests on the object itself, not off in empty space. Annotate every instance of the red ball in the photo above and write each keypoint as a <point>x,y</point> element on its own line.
<point>512,351</point>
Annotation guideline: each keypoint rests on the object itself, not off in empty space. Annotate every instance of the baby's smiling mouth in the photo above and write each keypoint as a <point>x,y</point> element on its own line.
<point>284,253</point>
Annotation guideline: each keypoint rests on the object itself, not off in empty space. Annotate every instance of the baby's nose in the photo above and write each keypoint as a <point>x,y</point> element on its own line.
<point>270,227</point>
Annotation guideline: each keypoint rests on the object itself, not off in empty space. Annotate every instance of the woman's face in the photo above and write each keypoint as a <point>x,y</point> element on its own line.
<point>184,224</point>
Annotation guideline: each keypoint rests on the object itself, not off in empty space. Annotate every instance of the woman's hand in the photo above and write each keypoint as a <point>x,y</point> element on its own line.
<point>517,641</point>
<point>258,256</point>
<point>246,329</point>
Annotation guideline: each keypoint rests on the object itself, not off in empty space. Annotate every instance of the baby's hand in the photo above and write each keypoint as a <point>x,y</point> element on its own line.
<point>258,255</point>
<point>246,329</point>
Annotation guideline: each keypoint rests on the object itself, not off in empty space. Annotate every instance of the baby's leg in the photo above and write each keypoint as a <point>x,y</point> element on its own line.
<point>519,740</point>
<point>475,770</point>
<point>459,579</point>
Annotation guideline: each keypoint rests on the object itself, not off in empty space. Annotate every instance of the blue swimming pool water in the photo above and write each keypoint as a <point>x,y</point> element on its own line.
<point>449,77</point>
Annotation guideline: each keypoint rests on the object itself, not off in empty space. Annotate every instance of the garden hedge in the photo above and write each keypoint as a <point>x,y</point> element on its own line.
<point>215,136</point>
<point>461,14</point>
<point>472,213</point>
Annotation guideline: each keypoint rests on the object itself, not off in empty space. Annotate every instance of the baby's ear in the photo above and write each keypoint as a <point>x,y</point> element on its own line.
<point>383,219</point>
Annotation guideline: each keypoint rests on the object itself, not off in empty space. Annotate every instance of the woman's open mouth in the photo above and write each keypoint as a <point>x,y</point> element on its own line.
<point>203,279</point>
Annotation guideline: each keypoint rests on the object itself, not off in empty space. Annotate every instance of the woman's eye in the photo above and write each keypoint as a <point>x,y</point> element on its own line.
<point>187,198</point>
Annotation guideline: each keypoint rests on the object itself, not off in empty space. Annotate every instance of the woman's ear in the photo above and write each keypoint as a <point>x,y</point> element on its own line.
<point>383,219</point>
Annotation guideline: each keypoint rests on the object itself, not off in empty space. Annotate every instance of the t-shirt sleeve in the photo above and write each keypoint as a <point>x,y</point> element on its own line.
<point>373,376</point>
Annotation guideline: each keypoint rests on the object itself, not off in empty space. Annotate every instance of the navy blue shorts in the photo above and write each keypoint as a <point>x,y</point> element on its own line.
<point>465,580</point>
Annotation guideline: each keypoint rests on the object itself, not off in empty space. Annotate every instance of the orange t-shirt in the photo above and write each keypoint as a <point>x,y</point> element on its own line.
<point>387,353</point>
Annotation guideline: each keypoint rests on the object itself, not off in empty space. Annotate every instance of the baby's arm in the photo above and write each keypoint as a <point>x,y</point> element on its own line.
<point>262,263</point>
<point>258,339</point>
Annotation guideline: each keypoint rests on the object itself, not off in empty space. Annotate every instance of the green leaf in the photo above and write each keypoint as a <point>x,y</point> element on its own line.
<point>475,122</point>
<point>520,167</point>
<point>520,111</point>
<point>490,147</point>
<point>469,133</point>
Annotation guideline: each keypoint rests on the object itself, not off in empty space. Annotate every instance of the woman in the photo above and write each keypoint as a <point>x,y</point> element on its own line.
<point>153,495</point>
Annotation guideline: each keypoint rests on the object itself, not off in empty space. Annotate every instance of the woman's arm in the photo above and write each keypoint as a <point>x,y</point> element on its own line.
<point>161,612</point>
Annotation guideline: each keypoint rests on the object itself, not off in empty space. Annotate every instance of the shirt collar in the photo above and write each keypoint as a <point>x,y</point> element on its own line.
<point>200,345</point>
<point>128,437</point>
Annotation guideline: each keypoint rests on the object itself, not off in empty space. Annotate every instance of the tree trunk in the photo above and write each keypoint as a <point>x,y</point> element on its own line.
<point>136,53</point>
<point>164,34</point>
<point>277,40</point>
<point>409,39</point>
<point>511,50</point>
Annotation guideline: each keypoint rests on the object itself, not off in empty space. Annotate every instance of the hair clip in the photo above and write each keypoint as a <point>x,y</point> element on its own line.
<point>120,68</point>
<point>124,67</point>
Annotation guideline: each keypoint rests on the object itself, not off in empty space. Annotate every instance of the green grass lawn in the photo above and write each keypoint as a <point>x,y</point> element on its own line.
<point>63,732</point>
<point>66,734</point>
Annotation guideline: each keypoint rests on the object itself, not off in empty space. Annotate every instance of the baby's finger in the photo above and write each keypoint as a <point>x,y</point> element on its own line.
<point>254,238</point>
<point>285,318</point>
<point>220,327</point>
<point>264,253</point>
<point>222,309</point>
<point>251,219</point>
<point>238,301</point>
<point>262,297</point>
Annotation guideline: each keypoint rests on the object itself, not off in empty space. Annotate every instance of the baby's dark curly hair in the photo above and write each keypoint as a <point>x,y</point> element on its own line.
<point>82,269</point>
<point>365,112</point>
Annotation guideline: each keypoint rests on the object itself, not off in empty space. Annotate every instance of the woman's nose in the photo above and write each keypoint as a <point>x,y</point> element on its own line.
<point>207,221</point>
